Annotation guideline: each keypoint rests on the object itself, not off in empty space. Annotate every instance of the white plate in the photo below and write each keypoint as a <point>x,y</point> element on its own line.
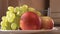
<point>23,31</point>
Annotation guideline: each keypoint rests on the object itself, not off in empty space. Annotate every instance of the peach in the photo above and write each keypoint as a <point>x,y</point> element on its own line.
<point>47,22</point>
<point>30,21</point>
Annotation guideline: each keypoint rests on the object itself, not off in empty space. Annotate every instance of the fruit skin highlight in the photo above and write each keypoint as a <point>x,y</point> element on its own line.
<point>30,21</point>
<point>47,22</point>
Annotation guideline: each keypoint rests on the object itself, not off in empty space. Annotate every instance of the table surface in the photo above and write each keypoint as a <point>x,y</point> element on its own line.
<point>55,31</point>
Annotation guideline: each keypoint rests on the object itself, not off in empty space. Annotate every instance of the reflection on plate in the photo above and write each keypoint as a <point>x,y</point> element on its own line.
<point>24,31</point>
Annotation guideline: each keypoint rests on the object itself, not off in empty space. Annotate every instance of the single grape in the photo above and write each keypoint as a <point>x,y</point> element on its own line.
<point>10,16</point>
<point>31,9</point>
<point>14,26</point>
<point>11,8</point>
<point>16,9</point>
<point>25,7</point>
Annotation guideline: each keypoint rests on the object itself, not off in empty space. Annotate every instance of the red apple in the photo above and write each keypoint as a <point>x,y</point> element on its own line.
<point>47,22</point>
<point>30,21</point>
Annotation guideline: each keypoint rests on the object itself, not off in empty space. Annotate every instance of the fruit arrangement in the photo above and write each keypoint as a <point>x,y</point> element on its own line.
<point>25,18</point>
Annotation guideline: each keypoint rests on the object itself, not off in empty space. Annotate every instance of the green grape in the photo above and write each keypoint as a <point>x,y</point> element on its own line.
<point>10,16</point>
<point>16,9</point>
<point>31,9</point>
<point>7,12</point>
<point>4,19</point>
<point>8,27</point>
<point>11,8</point>
<point>3,23</point>
<point>38,13</point>
<point>35,11</point>
<point>17,20</point>
<point>22,10</point>
<point>14,26</point>
<point>25,7</point>
<point>19,13</point>
<point>3,28</point>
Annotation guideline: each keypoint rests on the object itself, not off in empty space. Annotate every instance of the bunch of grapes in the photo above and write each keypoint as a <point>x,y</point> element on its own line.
<point>12,18</point>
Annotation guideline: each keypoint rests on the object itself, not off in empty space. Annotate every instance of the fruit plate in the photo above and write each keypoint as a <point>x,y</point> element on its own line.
<point>24,31</point>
